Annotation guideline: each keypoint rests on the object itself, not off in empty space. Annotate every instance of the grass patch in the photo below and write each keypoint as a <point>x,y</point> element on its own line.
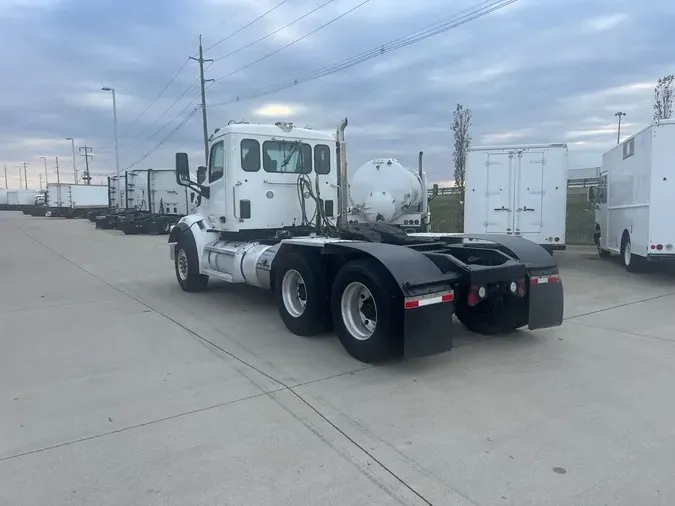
<point>446,216</point>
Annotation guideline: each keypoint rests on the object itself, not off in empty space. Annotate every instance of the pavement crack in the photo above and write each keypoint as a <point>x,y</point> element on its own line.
<point>648,299</point>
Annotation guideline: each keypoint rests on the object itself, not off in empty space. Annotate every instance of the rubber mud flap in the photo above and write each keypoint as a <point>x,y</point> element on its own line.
<point>428,330</point>
<point>546,300</point>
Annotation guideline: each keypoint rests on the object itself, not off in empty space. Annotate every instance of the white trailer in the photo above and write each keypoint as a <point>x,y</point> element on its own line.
<point>3,199</point>
<point>635,198</point>
<point>75,200</point>
<point>152,201</point>
<point>518,190</point>
<point>383,190</point>
<point>273,214</point>
<point>17,199</point>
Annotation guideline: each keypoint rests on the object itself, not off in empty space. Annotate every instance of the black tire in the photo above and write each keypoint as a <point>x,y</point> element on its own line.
<point>631,262</point>
<point>165,226</point>
<point>499,315</point>
<point>602,253</point>
<point>192,281</point>
<point>315,317</point>
<point>386,340</point>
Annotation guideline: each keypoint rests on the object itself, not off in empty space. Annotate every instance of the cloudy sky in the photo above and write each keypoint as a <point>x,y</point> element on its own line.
<point>534,71</point>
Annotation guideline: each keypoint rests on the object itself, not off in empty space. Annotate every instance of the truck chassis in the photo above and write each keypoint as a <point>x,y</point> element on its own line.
<point>385,293</point>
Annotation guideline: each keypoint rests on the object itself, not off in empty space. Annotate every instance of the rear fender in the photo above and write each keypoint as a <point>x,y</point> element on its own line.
<point>546,298</point>
<point>426,295</point>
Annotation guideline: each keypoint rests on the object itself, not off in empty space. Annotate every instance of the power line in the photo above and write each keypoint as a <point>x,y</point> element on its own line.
<point>274,32</point>
<point>454,21</point>
<point>166,86</point>
<point>293,42</point>
<point>166,138</point>
<point>246,25</point>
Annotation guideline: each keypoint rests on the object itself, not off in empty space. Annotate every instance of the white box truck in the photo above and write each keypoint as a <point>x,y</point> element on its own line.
<point>635,198</point>
<point>519,191</point>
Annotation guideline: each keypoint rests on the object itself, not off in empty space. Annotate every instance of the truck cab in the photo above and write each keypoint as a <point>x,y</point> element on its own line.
<point>265,177</point>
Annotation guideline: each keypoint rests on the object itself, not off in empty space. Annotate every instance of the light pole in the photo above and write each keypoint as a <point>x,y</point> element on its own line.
<point>46,178</point>
<point>72,141</point>
<point>618,131</point>
<point>117,151</point>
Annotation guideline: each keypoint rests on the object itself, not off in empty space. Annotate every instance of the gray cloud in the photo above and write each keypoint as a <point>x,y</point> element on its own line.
<point>538,71</point>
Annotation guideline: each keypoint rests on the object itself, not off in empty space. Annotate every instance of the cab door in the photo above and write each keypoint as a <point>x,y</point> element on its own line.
<point>215,207</point>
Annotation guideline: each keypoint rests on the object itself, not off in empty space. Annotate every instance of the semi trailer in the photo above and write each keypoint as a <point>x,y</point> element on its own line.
<point>273,213</point>
<point>633,200</point>
<point>150,202</point>
<point>518,190</point>
<point>70,200</point>
<point>18,200</point>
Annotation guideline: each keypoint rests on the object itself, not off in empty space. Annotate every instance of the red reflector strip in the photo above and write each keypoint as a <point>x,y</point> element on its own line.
<point>542,280</point>
<point>428,300</point>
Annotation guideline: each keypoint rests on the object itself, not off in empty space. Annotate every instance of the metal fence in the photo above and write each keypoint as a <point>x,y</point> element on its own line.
<point>571,183</point>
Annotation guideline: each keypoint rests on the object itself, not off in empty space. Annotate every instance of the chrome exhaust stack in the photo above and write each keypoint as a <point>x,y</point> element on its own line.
<point>343,183</point>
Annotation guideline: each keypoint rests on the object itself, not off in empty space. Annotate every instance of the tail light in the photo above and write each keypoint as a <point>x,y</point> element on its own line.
<point>476,294</point>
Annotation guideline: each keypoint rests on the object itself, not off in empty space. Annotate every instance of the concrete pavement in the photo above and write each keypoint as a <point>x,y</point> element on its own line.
<point>118,388</point>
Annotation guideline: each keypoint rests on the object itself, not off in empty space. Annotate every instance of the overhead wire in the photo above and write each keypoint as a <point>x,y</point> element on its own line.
<point>458,19</point>
<point>275,7</point>
<point>293,42</point>
<point>270,34</point>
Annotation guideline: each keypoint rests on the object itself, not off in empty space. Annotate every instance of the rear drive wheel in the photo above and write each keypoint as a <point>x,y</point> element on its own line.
<point>367,317</point>
<point>187,265</point>
<point>301,295</point>
<point>494,315</point>
<point>632,262</point>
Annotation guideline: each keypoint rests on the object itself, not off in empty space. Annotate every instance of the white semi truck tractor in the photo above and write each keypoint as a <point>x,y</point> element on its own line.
<point>273,213</point>
<point>383,190</point>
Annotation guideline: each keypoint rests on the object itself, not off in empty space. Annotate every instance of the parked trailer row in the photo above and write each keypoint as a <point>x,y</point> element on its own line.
<point>149,201</point>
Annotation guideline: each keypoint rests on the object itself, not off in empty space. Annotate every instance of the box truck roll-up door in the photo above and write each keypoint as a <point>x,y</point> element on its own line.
<point>529,192</point>
<point>498,195</point>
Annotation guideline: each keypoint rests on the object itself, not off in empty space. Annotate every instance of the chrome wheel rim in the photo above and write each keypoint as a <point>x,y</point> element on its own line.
<point>294,293</point>
<point>359,311</point>
<point>182,262</point>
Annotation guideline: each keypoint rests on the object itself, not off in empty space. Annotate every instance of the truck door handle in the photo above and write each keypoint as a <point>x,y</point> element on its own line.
<point>502,209</point>
<point>524,209</point>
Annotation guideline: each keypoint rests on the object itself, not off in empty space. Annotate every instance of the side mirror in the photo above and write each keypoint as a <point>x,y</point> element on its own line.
<point>201,174</point>
<point>591,194</point>
<point>182,169</point>
<point>434,192</point>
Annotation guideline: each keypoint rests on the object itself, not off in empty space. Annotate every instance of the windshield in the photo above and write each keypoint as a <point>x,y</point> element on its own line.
<point>285,156</point>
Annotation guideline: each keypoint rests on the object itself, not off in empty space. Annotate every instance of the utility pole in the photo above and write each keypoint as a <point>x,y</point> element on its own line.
<point>86,150</point>
<point>40,174</point>
<point>6,177</point>
<point>72,144</point>
<point>618,131</point>
<point>58,184</point>
<point>203,81</point>
<point>25,175</point>
<point>20,178</point>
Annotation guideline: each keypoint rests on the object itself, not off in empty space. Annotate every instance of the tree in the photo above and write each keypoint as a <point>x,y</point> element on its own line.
<point>663,98</point>
<point>461,121</point>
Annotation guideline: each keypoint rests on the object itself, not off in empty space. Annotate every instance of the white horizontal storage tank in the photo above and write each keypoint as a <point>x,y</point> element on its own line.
<point>383,190</point>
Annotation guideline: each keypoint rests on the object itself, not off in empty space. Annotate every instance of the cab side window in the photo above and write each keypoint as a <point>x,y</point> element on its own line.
<point>250,155</point>
<point>216,162</point>
<point>321,159</point>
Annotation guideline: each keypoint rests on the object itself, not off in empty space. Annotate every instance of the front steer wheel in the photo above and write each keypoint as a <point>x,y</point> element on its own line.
<point>187,265</point>
<point>367,311</point>
<point>301,295</point>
